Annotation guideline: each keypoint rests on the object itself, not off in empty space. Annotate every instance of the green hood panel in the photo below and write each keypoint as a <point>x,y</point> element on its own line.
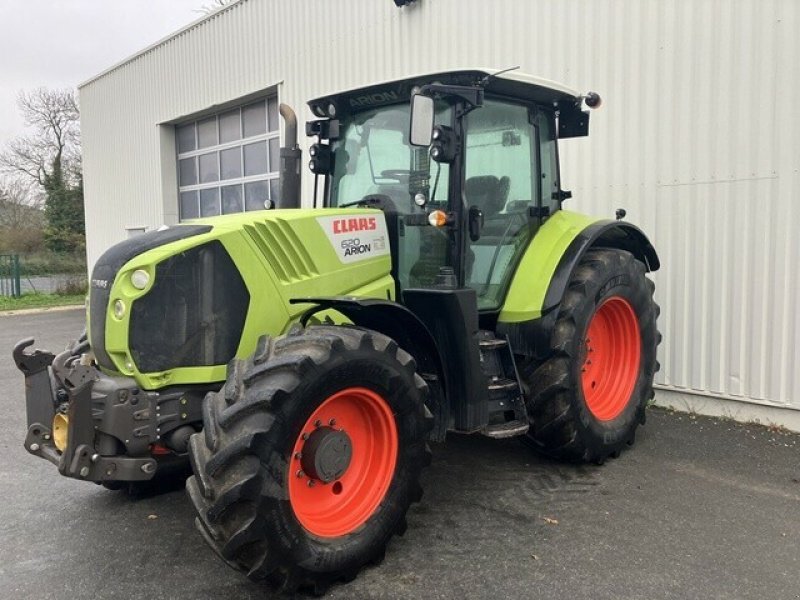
<point>280,255</point>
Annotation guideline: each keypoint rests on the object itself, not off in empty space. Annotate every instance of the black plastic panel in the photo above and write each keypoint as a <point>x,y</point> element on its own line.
<point>452,318</point>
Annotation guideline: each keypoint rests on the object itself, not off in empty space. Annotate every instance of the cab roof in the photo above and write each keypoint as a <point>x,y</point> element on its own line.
<point>511,84</point>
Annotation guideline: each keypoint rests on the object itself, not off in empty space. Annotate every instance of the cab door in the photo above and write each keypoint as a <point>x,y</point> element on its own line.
<point>504,181</point>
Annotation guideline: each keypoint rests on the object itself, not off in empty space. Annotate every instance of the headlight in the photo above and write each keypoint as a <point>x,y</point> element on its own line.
<point>119,309</point>
<point>140,279</point>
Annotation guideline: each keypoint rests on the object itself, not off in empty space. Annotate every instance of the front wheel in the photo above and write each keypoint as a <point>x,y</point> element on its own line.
<point>311,455</point>
<point>587,397</point>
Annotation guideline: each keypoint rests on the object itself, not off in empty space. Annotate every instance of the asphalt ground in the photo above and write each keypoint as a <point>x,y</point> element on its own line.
<point>699,508</point>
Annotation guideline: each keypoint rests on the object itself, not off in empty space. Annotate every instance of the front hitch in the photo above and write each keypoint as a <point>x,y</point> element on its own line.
<point>35,367</point>
<point>63,385</point>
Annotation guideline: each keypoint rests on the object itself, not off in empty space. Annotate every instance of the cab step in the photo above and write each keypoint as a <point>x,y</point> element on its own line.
<point>508,429</point>
<point>487,343</point>
<point>504,385</point>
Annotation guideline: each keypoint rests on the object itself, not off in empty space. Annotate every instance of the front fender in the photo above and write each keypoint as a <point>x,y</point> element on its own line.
<point>404,327</point>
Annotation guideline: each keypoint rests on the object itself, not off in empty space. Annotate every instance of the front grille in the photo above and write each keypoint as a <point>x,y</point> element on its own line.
<point>193,315</point>
<point>106,269</point>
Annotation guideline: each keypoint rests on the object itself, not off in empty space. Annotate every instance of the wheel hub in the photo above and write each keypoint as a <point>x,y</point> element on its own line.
<point>612,358</point>
<point>326,454</point>
<point>343,462</point>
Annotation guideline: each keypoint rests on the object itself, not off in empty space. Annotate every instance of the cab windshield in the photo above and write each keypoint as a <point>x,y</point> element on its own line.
<point>373,157</point>
<point>502,180</point>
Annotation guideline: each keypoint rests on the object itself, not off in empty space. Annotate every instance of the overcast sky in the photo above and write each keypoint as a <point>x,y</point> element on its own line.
<point>61,43</point>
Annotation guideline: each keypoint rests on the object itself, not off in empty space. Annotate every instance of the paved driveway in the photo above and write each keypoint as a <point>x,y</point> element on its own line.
<point>699,509</point>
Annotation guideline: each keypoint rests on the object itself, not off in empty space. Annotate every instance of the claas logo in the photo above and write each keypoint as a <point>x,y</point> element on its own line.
<point>359,224</point>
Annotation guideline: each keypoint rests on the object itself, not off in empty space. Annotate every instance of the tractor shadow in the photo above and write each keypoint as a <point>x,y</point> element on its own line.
<point>503,475</point>
<point>476,490</point>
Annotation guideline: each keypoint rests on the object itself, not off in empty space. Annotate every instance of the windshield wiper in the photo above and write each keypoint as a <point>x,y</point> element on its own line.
<point>371,200</point>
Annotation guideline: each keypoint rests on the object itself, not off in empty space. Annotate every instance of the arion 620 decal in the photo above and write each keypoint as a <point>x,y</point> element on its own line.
<point>356,238</point>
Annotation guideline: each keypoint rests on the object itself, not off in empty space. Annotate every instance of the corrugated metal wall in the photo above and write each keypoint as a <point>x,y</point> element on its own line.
<point>699,137</point>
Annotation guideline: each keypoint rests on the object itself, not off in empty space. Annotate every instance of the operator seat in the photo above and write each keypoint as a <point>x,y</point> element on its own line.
<point>489,194</point>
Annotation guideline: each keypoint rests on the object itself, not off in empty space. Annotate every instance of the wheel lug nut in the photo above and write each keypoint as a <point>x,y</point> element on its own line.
<point>300,473</point>
<point>332,422</point>
<point>310,483</point>
<point>305,435</point>
<point>298,455</point>
<point>317,423</point>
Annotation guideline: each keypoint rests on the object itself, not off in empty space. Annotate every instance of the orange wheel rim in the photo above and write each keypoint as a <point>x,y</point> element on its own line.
<point>613,352</point>
<point>333,493</point>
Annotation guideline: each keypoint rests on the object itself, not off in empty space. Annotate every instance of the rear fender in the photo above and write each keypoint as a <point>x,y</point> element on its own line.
<point>601,234</point>
<point>530,323</point>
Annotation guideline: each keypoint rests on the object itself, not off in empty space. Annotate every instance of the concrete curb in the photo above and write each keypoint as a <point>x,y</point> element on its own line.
<point>729,408</point>
<point>39,309</point>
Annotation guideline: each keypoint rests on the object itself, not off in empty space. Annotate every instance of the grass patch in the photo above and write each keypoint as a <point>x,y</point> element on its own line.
<point>40,300</point>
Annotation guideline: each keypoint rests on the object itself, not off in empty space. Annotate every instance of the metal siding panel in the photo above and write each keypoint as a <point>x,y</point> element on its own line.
<point>697,138</point>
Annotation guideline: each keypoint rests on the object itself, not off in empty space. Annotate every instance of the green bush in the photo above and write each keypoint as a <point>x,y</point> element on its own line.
<point>73,285</point>
<point>46,263</point>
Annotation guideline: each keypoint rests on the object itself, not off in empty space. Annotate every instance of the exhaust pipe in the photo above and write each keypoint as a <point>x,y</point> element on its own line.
<point>291,158</point>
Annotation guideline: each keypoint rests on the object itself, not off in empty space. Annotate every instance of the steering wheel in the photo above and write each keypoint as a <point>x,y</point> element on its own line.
<point>396,174</point>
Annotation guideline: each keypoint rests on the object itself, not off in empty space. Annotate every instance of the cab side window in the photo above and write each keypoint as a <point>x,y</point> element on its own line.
<point>501,157</point>
<point>502,181</point>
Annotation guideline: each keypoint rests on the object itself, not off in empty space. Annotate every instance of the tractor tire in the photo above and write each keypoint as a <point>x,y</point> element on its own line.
<point>310,456</point>
<point>588,396</point>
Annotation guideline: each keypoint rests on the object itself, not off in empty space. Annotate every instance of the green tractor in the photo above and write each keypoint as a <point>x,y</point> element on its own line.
<point>302,359</point>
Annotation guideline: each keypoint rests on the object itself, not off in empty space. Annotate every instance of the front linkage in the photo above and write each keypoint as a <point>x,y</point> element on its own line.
<point>100,428</point>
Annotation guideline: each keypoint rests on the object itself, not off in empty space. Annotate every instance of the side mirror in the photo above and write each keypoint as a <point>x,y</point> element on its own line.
<point>422,115</point>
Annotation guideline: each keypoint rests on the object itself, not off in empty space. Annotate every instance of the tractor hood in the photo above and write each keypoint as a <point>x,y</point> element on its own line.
<point>175,306</point>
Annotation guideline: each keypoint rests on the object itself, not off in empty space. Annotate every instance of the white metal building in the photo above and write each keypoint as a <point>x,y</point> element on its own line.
<point>698,138</point>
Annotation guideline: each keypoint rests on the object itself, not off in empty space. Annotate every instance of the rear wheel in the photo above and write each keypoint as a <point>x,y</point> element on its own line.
<point>587,397</point>
<point>311,455</point>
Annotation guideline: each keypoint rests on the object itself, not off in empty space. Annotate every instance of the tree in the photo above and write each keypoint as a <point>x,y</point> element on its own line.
<point>21,219</point>
<point>209,8</point>
<point>48,159</point>
<point>65,231</point>
<point>19,209</point>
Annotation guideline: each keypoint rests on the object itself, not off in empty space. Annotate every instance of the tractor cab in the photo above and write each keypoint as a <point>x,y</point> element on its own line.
<point>466,197</point>
<point>464,166</point>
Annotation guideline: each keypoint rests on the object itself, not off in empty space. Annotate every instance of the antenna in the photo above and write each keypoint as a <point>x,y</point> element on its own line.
<point>485,81</point>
